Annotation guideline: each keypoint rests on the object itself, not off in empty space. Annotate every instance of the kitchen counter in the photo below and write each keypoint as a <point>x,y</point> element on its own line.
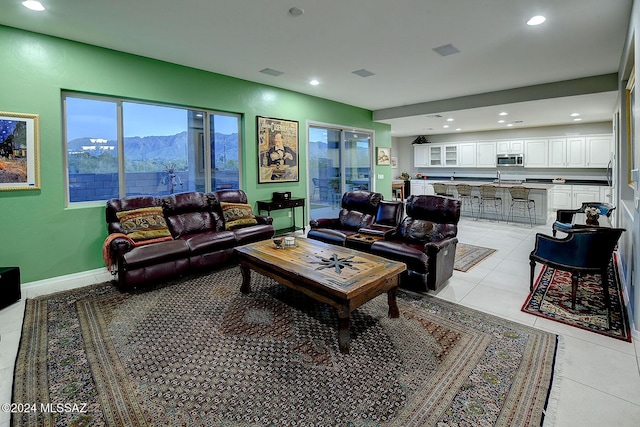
<point>504,184</point>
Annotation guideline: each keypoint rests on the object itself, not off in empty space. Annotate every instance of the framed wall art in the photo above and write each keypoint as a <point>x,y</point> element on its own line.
<point>383,156</point>
<point>278,149</point>
<point>19,151</point>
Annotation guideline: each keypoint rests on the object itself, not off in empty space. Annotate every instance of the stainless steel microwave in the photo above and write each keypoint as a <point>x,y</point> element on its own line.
<point>510,160</point>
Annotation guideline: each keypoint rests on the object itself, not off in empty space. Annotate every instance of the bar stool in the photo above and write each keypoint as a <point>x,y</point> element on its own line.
<point>397,191</point>
<point>520,200</point>
<point>467,198</point>
<point>489,197</point>
<point>442,190</point>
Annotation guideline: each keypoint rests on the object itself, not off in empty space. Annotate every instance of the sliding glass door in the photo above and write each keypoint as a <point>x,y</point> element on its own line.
<point>339,161</point>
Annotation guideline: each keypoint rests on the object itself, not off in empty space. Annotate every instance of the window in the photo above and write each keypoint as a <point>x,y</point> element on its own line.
<point>118,148</point>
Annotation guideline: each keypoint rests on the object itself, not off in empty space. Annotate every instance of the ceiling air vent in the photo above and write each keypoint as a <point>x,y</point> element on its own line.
<point>363,73</point>
<point>446,50</point>
<point>271,72</point>
<point>434,116</point>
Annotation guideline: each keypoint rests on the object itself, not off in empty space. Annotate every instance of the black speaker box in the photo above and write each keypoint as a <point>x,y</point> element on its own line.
<point>279,196</point>
<point>9,286</point>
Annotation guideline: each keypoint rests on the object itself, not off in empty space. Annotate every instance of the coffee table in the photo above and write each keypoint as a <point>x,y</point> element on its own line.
<point>341,277</point>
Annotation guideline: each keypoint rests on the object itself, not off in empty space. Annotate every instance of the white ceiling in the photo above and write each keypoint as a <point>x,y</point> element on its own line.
<point>393,39</point>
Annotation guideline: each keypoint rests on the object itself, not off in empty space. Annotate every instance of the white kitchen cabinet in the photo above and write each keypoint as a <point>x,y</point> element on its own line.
<point>467,154</point>
<point>562,198</point>
<point>584,193</point>
<point>510,147</point>
<point>536,154</point>
<point>435,155</point>
<point>420,156</point>
<point>486,155</point>
<point>598,151</point>
<point>567,152</point>
<point>443,155</point>
<point>418,187</point>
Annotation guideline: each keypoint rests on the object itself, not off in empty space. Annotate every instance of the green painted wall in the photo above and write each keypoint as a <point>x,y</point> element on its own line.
<point>45,238</point>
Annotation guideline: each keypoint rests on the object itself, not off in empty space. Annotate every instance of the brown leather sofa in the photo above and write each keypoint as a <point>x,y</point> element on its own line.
<point>198,238</point>
<point>358,209</point>
<point>425,240</point>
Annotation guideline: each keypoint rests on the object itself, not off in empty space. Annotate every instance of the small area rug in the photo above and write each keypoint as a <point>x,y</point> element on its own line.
<point>468,256</point>
<point>199,352</point>
<point>551,299</point>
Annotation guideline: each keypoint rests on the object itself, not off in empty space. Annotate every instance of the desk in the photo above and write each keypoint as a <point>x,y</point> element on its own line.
<point>395,186</point>
<point>579,220</point>
<point>294,202</point>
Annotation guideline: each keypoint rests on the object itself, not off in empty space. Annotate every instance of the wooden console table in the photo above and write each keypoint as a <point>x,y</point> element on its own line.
<point>294,202</point>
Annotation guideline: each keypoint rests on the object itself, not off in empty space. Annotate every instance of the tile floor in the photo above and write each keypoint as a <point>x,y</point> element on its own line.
<point>599,377</point>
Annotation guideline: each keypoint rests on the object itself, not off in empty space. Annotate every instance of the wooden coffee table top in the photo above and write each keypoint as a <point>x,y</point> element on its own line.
<point>341,271</point>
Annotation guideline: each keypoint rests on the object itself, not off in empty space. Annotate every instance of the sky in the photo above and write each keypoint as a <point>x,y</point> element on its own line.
<point>92,118</point>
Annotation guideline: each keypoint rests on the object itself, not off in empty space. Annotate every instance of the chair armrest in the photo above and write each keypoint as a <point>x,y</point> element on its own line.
<point>263,219</point>
<point>565,215</point>
<point>324,223</point>
<point>433,248</point>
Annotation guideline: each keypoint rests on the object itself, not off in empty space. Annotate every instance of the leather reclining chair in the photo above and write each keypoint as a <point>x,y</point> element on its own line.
<point>425,240</point>
<point>359,210</point>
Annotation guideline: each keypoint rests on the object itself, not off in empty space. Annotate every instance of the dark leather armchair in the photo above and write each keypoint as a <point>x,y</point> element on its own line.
<point>425,240</point>
<point>587,250</point>
<point>359,209</point>
<point>564,217</point>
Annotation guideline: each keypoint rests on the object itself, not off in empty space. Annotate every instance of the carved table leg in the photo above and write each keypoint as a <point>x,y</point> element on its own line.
<point>344,340</point>
<point>246,279</point>
<point>394,313</point>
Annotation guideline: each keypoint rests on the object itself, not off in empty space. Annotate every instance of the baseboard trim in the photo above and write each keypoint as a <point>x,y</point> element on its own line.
<point>76,280</point>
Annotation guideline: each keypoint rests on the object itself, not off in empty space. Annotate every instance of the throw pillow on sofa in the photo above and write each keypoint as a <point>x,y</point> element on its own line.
<point>144,223</point>
<point>237,214</point>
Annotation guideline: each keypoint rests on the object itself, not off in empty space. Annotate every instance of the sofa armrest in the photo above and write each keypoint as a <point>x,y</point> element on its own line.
<point>263,219</point>
<point>384,231</point>
<point>325,223</point>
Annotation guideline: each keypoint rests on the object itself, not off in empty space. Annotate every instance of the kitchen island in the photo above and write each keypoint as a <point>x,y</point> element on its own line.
<point>540,193</point>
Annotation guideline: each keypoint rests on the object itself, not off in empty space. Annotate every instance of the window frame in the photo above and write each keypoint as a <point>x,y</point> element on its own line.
<point>209,114</point>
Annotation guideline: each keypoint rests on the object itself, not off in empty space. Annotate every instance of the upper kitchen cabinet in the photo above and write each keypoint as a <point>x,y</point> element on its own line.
<point>467,154</point>
<point>598,151</point>
<point>567,152</point>
<point>536,153</point>
<point>440,155</point>
<point>421,156</point>
<point>510,147</point>
<point>486,155</point>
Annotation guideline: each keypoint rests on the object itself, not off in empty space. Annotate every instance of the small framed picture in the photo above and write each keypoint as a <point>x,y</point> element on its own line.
<point>394,162</point>
<point>19,151</point>
<point>383,156</point>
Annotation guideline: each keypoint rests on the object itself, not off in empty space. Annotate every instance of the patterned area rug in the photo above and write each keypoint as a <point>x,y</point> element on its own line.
<point>551,299</point>
<point>199,352</point>
<point>468,256</point>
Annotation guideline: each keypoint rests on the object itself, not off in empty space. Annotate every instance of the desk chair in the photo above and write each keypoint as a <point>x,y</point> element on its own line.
<point>587,250</point>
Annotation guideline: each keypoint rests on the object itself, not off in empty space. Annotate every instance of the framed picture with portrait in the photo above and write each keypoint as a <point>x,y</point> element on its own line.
<point>383,156</point>
<point>19,151</point>
<point>278,149</point>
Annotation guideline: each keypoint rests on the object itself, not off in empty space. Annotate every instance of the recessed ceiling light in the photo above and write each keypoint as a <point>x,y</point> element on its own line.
<point>577,119</point>
<point>314,82</point>
<point>33,5</point>
<point>510,124</point>
<point>446,126</point>
<point>503,113</point>
<point>458,129</point>
<point>500,121</point>
<point>536,20</point>
<point>450,119</point>
<point>575,114</point>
